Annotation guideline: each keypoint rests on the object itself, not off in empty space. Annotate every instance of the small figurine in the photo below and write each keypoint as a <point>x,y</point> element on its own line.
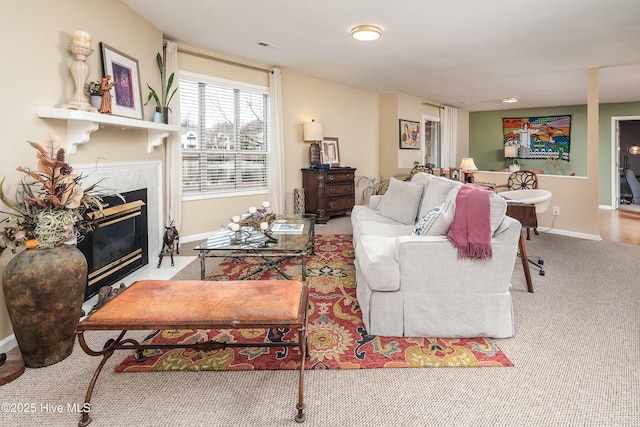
<point>105,87</point>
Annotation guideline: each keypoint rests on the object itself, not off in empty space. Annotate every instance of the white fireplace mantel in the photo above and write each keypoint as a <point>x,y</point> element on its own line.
<point>81,124</point>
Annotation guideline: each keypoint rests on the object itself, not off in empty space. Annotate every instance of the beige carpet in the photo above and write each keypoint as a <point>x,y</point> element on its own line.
<point>576,353</point>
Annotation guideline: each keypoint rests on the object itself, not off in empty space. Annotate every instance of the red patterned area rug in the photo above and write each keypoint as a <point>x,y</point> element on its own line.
<point>337,338</point>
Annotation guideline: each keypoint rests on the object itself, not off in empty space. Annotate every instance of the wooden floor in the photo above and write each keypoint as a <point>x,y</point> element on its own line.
<point>620,226</point>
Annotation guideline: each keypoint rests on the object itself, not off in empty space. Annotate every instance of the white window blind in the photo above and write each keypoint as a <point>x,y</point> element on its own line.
<point>224,136</point>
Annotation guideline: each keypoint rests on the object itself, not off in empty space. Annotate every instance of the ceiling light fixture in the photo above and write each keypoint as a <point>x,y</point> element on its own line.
<point>366,33</point>
<point>509,100</point>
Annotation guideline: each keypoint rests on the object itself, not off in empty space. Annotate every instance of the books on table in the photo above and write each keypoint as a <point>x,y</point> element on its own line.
<point>287,227</point>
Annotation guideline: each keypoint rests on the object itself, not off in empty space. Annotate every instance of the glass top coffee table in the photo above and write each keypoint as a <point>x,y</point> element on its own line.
<point>272,246</point>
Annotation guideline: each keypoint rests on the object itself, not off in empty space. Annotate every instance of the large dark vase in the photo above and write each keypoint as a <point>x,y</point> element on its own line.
<point>44,292</point>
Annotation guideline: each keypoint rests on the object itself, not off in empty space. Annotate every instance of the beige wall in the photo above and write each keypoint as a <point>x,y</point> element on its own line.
<point>35,73</point>
<point>570,193</point>
<point>396,106</point>
<point>349,114</point>
<point>346,113</point>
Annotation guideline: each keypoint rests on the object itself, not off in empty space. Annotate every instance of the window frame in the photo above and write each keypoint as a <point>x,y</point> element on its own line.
<point>234,85</point>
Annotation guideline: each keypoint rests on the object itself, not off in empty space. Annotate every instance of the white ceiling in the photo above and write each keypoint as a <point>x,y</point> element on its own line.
<point>464,53</point>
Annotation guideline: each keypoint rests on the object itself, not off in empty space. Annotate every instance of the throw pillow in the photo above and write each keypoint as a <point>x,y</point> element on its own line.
<point>401,201</point>
<point>436,222</point>
<point>436,193</point>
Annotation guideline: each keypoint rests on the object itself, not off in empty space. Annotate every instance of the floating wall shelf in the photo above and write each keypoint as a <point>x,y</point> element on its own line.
<point>81,124</point>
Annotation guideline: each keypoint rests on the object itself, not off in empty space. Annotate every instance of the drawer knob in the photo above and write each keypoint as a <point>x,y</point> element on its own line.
<point>330,177</point>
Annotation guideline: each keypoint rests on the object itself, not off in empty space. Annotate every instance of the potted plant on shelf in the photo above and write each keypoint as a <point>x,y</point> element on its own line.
<point>166,95</point>
<point>95,93</point>
<point>44,284</point>
<point>512,164</point>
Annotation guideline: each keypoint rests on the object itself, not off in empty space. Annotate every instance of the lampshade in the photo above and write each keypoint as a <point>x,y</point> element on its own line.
<point>366,33</point>
<point>467,164</point>
<point>312,131</point>
<point>634,149</point>
<point>510,151</point>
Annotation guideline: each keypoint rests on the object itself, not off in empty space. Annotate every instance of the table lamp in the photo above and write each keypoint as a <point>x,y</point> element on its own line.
<point>312,131</point>
<point>468,166</point>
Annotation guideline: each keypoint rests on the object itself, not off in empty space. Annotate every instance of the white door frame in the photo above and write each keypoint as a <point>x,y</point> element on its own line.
<point>423,143</point>
<point>615,157</point>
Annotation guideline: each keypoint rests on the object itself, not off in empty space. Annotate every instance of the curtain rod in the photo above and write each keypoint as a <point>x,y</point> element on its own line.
<point>433,105</point>
<point>218,59</point>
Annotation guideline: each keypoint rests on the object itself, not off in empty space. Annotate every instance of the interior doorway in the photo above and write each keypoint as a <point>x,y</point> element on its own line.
<point>625,134</point>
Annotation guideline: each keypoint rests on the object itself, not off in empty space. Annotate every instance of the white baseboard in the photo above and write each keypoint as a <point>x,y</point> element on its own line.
<point>194,237</point>
<point>573,234</point>
<point>8,343</point>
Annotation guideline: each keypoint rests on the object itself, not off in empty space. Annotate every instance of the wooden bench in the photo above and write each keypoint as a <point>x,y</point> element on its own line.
<point>175,304</point>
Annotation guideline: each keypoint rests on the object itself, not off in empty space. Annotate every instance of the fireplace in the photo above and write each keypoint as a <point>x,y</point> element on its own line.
<point>119,245</point>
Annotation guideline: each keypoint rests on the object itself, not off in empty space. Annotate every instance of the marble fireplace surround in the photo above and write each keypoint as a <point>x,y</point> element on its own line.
<point>130,176</point>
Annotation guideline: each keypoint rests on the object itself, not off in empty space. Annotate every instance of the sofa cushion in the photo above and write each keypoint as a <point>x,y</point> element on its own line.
<point>422,178</point>
<point>386,229</point>
<point>401,201</point>
<point>435,194</point>
<point>498,207</point>
<point>436,222</point>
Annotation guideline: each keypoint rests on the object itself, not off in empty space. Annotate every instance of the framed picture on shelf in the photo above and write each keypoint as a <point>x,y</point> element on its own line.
<point>330,152</point>
<point>126,97</point>
<point>455,174</point>
<point>409,135</point>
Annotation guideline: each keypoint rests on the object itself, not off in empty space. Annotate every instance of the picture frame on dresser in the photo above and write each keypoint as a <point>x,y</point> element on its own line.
<point>455,174</point>
<point>126,94</point>
<point>330,152</point>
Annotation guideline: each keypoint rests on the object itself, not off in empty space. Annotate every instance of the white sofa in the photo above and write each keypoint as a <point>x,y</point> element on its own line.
<point>415,285</point>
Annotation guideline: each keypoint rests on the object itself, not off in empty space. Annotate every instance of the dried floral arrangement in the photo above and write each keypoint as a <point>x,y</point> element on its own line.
<point>257,216</point>
<point>50,203</point>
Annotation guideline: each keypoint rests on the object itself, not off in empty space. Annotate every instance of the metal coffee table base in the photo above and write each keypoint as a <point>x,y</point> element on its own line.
<point>271,261</point>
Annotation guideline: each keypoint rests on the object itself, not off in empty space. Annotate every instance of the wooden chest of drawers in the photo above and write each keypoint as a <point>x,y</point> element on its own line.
<point>328,192</point>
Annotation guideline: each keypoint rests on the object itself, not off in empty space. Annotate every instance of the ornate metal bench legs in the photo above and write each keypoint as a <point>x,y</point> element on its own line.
<point>107,351</point>
<point>119,344</point>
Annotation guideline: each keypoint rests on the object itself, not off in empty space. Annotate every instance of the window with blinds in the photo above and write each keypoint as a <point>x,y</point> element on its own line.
<point>224,136</point>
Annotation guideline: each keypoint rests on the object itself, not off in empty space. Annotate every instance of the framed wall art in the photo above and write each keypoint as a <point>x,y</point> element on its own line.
<point>409,135</point>
<point>126,98</point>
<point>545,137</point>
<point>330,152</point>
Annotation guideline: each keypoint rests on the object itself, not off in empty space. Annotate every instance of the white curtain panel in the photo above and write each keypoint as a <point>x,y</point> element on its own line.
<point>173,148</point>
<point>449,123</point>
<point>276,141</point>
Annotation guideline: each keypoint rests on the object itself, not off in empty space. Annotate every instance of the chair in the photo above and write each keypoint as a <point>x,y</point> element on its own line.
<point>521,180</point>
<point>634,185</point>
<point>540,199</point>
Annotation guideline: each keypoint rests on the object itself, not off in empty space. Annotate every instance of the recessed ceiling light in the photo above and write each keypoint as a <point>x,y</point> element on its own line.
<point>511,99</point>
<point>366,33</point>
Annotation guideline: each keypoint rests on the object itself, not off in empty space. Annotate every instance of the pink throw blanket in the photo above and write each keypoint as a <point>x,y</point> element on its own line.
<point>470,230</point>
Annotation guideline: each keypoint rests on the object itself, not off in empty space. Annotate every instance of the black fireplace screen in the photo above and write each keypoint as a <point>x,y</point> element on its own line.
<point>119,245</point>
